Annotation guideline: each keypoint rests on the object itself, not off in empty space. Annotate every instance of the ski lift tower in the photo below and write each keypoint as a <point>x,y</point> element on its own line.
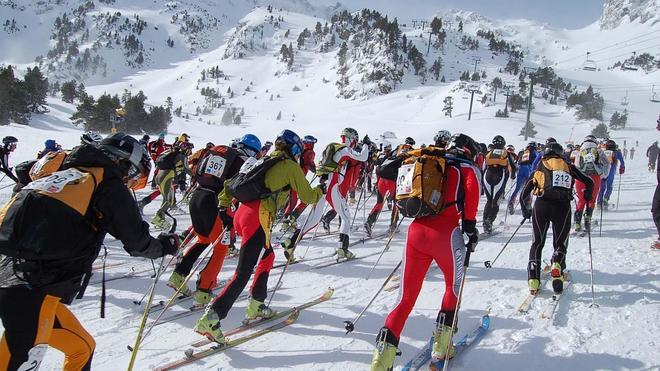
<point>654,96</point>
<point>589,64</point>
<point>531,75</point>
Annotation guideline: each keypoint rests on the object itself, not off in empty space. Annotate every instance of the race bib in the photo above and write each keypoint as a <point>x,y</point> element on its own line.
<point>250,164</point>
<point>498,152</point>
<point>609,154</point>
<point>404,182</point>
<point>56,182</point>
<point>589,158</point>
<point>561,179</point>
<point>215,165</point>
<point>525,157</point>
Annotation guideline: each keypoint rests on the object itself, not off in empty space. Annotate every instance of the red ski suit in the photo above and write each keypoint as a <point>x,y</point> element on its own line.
<point>438,238</point>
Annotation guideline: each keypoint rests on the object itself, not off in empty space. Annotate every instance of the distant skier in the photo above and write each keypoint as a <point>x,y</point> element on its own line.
<point>437,238</point>
<point>632,153</point>
<point>525,159</point>
<point>499,166</point>
<point>655,209</point>
<point>615,157</point>
<point>50,145</point>
<point>592,161</point>
<point>552,184</point>
<point>9,144</point>
<point>652,155</point>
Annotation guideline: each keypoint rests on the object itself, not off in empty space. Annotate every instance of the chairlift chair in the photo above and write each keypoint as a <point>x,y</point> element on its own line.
<point>589,64</point>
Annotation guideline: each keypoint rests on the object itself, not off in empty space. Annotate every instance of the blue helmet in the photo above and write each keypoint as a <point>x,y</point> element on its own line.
<point>293,140</point>
<point>251,141</point>
<point>50,144</point>
<point>309,139</point>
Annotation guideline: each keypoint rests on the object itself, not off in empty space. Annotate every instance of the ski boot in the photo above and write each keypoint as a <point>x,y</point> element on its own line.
<point>534,286</point>
<point>488,227</point>
<point>158,222</point>
<point>577,225</point>
<point>368,225</point>
<point>209,326</point>
<point>384,354</point>
<point>587,221</point>
<point>202,297</point>
<point>342,250</point>
<point>511,208</point>
<point>441,341</point>
<point>656,244</point>
<point>142,203</point>
<point>392,229</point>
<point>289,246</point>
<point>175,281</point>
<point>288,223</point>
<point>557,278</point>
<point>232,250</point>
<point>257,309</point>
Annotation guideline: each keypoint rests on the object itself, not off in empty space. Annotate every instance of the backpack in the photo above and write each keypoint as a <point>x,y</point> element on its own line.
<point>327,164</point>
<point>420,183</point>
<point>48,164</point>
<point>389,169</point>
<point>212,169</point>
<point>588,160</point>
<point>552,180</point>
<point>250,182</point>
<point>166,160</point>
<point>526,157</point>
<point>497,157</point>
<point>62,195</point>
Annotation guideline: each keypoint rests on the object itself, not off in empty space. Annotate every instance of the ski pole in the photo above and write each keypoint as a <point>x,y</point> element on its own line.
<point>357,208</point>
<point>488,263</point>
<point>387,246</point>
<point>209,249</point>
<point>600,223</point>
<point>454,323</point>
<point>618,193</point>
<point>161,269</point>
<point>591,264</point>
<point>288,261</point>
<point>350,325</point>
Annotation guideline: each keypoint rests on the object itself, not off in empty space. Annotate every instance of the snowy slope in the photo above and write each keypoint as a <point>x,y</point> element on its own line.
<point>621,334</point>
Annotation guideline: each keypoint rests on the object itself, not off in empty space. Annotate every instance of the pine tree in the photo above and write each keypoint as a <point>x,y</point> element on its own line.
<point>449,106</point>
<point>600,131</point>
<point>69,91</point>
<point>36,86</point>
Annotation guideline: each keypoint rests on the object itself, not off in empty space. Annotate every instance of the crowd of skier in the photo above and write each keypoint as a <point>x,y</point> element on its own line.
<point>249,189</point>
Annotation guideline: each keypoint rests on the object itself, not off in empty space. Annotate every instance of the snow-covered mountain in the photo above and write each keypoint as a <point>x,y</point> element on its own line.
<point>617,12</point>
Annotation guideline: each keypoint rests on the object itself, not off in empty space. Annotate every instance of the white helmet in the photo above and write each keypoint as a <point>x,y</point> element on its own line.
<point>91,137</point>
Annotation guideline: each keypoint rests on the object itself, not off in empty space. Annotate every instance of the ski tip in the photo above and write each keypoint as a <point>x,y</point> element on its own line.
<point>188,353</point>
<point>329,292</point>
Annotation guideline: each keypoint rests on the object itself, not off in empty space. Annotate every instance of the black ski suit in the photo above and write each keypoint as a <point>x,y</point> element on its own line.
<point>495,178</point>
<point>555,208</point>
<point>652,153</point>
<point>655,209</point>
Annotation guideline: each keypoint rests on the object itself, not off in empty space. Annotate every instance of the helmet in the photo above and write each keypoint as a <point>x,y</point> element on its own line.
<point>161,135</point>
<point>308,139</point>
<point>483,147</point>
<point>590,138</point>
<point>146,137</point>
<point>464,146</point>
<point>125,148</point>
<point>610,145</point>
<point>553,149</point>
<point>350,135</point>
<point>410,141</point>
<point>387,147</point>
<point>510,148</point>
<point>570,147</point>
<point>210,145</point>
<point>499,141</point>
<point>6,141</point>
<point>293,140</point>
<point>531,144</point>
<point>550,140</point>
<point>91,137</point>
<point>184,137</point>
<point>442,138</point>
<point>50,144</point>
<point>250,141</point>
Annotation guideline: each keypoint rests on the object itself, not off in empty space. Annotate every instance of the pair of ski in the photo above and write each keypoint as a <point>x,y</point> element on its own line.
<point>281,319</point>
<point>551,307</point>
<point>424,356</point>
<point>338,260</point>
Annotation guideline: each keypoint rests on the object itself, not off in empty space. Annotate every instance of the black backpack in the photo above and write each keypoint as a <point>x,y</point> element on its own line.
<point>165,160</point>
<point>250,184</point>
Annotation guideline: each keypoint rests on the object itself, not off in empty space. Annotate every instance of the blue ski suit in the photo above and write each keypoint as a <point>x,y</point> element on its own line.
<point>606,187</point>
<point>525,169</point>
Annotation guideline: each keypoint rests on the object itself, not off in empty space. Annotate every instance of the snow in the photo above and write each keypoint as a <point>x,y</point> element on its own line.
<point>620,334</point>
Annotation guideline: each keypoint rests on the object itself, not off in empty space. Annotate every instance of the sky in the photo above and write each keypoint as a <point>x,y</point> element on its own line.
<point>570,14</point>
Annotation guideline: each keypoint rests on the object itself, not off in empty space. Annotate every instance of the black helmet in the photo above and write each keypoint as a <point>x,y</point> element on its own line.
<point>610,145</point>
<point>483,148</point>
<point>210,145</point>
<point>6,141</point>
<point>125,148</point>
<point>146,137</point>
<point>531,144</point>
<point>410,141</point>
<point>499,141</point>
<point>553,149</point>
<point>550,140</point>
<point>441,138</point>
<point>463,146</point>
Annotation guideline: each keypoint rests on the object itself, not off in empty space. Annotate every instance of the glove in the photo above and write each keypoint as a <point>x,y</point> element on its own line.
<point>622,169</point>
<point>227,221</point>
<point>470,230</point>
<point>170,243</point>
<point>526,212</point>
<point>323,187</point>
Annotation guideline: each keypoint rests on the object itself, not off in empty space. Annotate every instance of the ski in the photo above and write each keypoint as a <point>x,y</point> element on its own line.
<point>192,356</point>
<point>303,260</point>
<point>339,261</point>
<point>181,298</point>
<point>551,308</point>
<point>424,355</point>
<point>325,297</point>
<point>527,302</point>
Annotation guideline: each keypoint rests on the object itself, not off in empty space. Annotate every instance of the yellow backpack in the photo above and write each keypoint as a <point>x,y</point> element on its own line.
<point>497,157</point>
<point>420,183</point>
<point>553,180</point>
<point>48,164</point>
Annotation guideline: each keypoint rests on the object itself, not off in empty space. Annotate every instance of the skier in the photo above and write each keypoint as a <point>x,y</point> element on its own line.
<point>437,238</point>
<point>218,164</point>
<point>253,222</point>
<point>592,161</point>
<point>264,150</point>
<point>295,208</point>
<point>386,171</point>
<point>155,149</point>
<point>145,142</point>
<point>46,265</point>
<point>525,159</point>
<point>552,184</point>
<point>652,155</point>
<point>335,167</point>
<point>186,148</point>
<point>655,208</point>
<point>499,166</point>
<point>442,138</point>
<point>170,164</point>
<point>632,153</point>
<point>625,153</point>
<point>9,144</point>
<point>615,158</point>
<point>50,145</point>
